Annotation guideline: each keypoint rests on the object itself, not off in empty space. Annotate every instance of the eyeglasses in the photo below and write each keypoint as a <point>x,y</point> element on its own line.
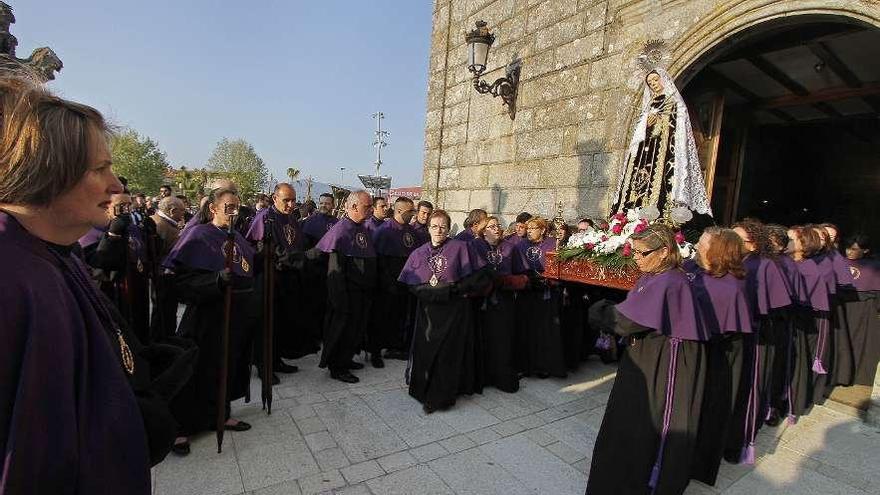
<point>643,254</point>
<point>438,227</point>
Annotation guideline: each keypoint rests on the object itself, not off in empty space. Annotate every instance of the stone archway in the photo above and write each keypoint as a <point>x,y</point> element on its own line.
<point>735,21</point>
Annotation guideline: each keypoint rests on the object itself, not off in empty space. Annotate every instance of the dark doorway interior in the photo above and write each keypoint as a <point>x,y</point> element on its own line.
<point>787,117</point>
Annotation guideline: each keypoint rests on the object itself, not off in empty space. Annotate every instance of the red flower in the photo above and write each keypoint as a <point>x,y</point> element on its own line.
<point>589,246</point>
<point>617,229</point>
<point>679,237</point>
<point>627,250</point>
<point>621,217</point>
<point>604,238</point>
<point>641,227</point>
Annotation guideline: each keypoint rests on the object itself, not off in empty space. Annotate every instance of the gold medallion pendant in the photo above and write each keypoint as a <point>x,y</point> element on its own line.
<point>434,280</point>
<point>245,265</point>
<point>127,356</point>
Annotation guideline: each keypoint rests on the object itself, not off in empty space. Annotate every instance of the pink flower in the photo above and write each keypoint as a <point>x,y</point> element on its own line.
<point>617,229</point>
<point>679,237</point>
<point>641,227</point>
<point>604,238</point>
<point>589,246</point>
<point>627,250</point>
<point>621,217</point>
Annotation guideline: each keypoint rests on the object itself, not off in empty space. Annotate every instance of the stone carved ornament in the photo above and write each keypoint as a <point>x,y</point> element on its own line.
<point>41,65</point>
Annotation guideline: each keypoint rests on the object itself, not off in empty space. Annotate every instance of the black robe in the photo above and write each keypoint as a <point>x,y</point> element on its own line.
<point>539,332</point>
<point>445,353</point>
<point>392,321</point>
<point>195,408</point>
<point>351,282</point>
<point>497,326</point>
<point>863,320</point>
<point>625,455</point>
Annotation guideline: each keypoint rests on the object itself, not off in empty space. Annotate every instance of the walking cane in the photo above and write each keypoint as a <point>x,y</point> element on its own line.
<point>268,312</point>
<point>228,248</point>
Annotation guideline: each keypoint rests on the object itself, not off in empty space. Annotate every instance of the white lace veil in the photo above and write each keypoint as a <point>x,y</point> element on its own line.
<point>688,187</point>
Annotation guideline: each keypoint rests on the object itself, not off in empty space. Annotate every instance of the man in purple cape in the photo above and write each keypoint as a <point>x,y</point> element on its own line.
<point>117,255</point>
<point>655,404</point>
<point>319,223</point>
<point>380,209</point>
<point>291,339</point>
<point>394,306</point>
<point>862,311</point>
<point>420,223</point>
<point>351,280</point>
<point>443,273</point>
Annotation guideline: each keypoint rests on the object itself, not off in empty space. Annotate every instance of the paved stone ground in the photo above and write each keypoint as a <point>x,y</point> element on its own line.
<point>371,438</point>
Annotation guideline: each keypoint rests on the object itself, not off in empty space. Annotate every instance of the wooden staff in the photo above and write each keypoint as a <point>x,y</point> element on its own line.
<point>268,312</point>
<point>228,248</point>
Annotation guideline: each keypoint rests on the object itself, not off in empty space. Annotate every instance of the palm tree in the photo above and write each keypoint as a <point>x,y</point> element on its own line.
<point>293,173</point>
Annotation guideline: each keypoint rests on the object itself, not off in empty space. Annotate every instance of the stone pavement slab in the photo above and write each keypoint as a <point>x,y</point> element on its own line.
<point>371,438</point>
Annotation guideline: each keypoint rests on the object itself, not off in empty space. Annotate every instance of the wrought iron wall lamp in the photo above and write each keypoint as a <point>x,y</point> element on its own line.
<point>479,40</point>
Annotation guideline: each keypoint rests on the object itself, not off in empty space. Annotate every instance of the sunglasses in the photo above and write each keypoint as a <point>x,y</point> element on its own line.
<point>643,254</point>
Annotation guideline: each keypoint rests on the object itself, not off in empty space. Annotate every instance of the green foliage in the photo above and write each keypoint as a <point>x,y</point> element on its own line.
<point>237,161</point>
<point>191,183</point>
<point>293,174</point>
<point>138,159</point>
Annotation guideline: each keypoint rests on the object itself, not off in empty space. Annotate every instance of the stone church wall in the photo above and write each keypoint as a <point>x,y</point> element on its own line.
<point>578,93</point>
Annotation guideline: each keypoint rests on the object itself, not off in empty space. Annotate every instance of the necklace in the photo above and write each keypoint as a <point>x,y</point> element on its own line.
<point>436,262</point>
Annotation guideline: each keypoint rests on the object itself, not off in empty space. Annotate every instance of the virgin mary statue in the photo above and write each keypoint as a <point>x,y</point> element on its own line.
<point>662,169</point>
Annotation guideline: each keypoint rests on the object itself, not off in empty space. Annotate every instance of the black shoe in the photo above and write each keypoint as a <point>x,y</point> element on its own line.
<point>395,354</point>
<point>181,448</point>
<point>344,376</point>
<point>354,365</point>
<point>428,408</point>
<point>376,361</point>
<point>240,426</point>
<point>283,367</point>
<point>774,420</point>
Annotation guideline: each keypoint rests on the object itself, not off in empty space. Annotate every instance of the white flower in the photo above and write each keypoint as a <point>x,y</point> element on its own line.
<point>687,250</point>
<point>681,214</point>
<point>649,213</point>
<point>632,214</point>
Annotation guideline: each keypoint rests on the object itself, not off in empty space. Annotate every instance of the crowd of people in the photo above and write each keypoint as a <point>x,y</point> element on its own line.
<point>103,379</point>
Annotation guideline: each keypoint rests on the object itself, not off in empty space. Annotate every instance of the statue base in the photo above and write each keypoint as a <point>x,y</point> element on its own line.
<point>588,273</point>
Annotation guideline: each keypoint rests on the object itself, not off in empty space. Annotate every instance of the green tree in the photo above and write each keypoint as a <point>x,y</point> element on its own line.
<point>293,173</point>
<point>239,162</point>
<point>138,159</point>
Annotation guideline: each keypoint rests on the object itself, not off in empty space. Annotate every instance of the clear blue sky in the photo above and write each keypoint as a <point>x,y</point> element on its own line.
<point>297,79</point>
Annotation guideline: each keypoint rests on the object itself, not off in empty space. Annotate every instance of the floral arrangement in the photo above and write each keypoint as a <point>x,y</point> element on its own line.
<point>610,247</point>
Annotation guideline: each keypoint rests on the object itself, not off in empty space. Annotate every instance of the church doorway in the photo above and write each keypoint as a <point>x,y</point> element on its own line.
<point>787,121</point>
<point>786,116</point>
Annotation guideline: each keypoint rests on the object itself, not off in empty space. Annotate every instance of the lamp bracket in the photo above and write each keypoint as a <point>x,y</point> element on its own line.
<point>505,87</point>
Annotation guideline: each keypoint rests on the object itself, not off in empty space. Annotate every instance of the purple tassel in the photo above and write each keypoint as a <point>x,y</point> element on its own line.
<point>792,419</point>
<point>818,368</point>
<point>748,455</point>
<point>603,342</point>
<point>769,414</point>
<point>655,476</point>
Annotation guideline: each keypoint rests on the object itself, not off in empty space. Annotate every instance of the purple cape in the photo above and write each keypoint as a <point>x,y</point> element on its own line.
<point>372,224</point>
<point>794,281</point>
<point>394,239</point>
<point>765,285</point>
<point>318,224</point>
<point>136,245</point>
<point>349,239</point>
<point>817,288</point>
<point>865,273</point>
<point>201,248</point>
<point>69,420</point>
<point>842,275</point>
<point>504,259</point>
<point>285,229</point>
<point>664,303</point>
<point>826,271</point>
<point>535,252</point>
<point>192,222</point>
<point>722,303</point>
<point>451,262</point>
<point>466,235</point>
